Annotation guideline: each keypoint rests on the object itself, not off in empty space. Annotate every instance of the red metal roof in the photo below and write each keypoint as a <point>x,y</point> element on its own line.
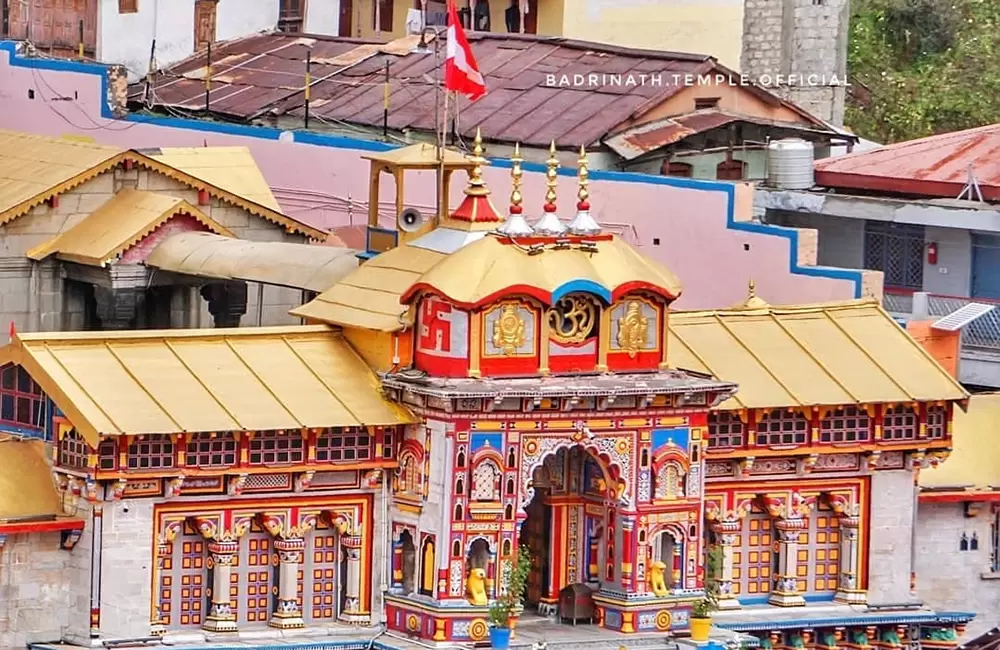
<point>937,166</point>
<point>263,75</point>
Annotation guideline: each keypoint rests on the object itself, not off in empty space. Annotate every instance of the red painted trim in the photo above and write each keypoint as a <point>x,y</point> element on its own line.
<point>944,189</point>
<point>636,285</point>
<point>509,366</point>
<point>42,526</point>
<point>572,239</point>
<point>621,361</point>
<point>543,296</point>
<point>441,366</point>
<point>571,363</point>
<point>960,497</point>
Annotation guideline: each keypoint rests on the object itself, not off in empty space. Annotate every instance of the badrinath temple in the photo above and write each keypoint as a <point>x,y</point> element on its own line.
<point>484,382</point>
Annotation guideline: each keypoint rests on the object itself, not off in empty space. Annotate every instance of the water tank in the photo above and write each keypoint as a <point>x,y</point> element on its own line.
<point>790,164</point>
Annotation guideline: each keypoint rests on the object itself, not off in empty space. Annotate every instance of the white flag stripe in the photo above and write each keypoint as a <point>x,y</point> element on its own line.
<point>457,54</point>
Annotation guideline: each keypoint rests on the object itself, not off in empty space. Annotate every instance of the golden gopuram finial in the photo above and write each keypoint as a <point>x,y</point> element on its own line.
<point>477,186</point>
<point>551,179</point>
<point>583,194</point>
<point>753,301</point>
<point>751,290</point>
<point>516,173</point>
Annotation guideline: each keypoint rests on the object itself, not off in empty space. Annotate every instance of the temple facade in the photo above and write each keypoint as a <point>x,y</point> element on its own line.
<point>477,388</point>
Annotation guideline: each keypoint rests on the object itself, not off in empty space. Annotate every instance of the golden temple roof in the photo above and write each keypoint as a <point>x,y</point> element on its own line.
<point>173,381</point>
<point>120,223</point>
<point>811,355</point>
<point>486,269</point>
<point>421,155</point>
<point>27,490</point>
<point>974,465</point>
<point>232,169</point>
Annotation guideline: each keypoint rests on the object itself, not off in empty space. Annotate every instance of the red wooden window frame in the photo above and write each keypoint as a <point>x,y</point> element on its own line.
<point>781,428</point>
<point>725,430</point>
<point>277,448</point>
<point>211,450</point>
<point>899,423</point>
<point>22,402</point>
<point>845,425</point>
<point>344,446</point>
<point>937,420</point>
<point>74,452</point>
<point>151,452</point>
<point>128,6</point>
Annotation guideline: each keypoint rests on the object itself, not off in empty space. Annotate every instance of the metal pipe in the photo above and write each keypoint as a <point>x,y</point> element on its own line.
<point>260,303</point>
<point>308,89</point>
<point>80,42</point>
<point>208,76</point>
<point>441,122</point>
<point>385,103</point>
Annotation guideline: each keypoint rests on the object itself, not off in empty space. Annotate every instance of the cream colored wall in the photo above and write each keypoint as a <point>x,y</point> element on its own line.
<point>712,27</point>
<point>731,98</point>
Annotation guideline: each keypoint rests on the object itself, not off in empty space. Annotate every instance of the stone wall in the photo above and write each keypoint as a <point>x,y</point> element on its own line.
<point>796,39</point>
<point>35,597</point>
<point>126,561</point>
<point>890,538</point>
<point>79,577</point>
<point>950,579</point>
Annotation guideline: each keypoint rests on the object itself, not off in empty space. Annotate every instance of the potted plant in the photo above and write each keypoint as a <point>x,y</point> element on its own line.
<point>701,612</point>
<point>509,605</point>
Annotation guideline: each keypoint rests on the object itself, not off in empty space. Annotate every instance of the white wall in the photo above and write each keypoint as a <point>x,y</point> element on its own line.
<point>127,38</point>
<point>322,17</point>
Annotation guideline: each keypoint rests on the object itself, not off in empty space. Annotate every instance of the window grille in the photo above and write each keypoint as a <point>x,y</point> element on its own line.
<point>937,417</point>
<point>107,455</point>
<point>898,251</point>
<point>277,448</point>
<point>22,402</point>
<point>344,446</point>
<point>781,427</point>
<point>848,424</point>
<point>73,451</point>
<point>725,430</point>
<point>211,450</point>
<point>151,452</point>
<point>899,423</point>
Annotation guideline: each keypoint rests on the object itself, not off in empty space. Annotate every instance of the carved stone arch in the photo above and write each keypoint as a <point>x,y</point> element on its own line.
<point>668,480</point>
<point>613,458</point>
<point>491,543</point>
<point>668,454</point>
<point>486,468</point>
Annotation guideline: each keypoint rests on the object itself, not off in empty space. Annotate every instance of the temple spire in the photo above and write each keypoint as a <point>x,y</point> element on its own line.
<point>583,224</point>
<point>477,186</point>
<point>516,226</point>
<point>753,301</point>
<point>549,224</point>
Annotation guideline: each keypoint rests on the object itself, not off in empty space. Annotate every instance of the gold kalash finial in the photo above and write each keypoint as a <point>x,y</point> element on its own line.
<point>753,301</point>
<point>583,194</point>
<point>477,186</point>
<point>551,179</point>
<point>516,173</point>
<point>751,290</point>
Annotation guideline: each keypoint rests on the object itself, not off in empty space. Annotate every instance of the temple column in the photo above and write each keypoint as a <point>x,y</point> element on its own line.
<point>786,593</point>
<point>397,563</point>
<point>491,574</point>
<point>726,535</point>
<point>220,616</point>
<point>848,590</point>
<point>352,589</point>
<point>288,615</point>
<point>156,626</point>
<point>628,554</point>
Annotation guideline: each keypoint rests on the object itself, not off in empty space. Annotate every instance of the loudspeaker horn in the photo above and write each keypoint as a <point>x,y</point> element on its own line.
<point>410,220</point>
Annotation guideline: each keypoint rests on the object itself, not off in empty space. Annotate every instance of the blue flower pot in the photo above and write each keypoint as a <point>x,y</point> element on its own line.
<point>500,638</point>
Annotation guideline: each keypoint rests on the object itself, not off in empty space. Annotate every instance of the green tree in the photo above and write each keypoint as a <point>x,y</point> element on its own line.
<point>920,67</point>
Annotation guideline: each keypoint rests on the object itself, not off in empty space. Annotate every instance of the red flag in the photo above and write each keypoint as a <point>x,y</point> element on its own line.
<point>461,72</point>
<point>13,331</point>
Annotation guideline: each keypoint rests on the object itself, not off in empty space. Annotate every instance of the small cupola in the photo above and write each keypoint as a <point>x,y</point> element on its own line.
<point>516,225</point>
<point>550,225</point>
<point>583,225</point>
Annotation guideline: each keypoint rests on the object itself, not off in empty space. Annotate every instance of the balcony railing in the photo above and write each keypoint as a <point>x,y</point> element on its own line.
<point>981,334</point>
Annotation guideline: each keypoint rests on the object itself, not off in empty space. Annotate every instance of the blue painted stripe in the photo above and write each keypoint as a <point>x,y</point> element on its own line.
<point>582,286</point>
<point>836,621</point>
<point>341,142</point>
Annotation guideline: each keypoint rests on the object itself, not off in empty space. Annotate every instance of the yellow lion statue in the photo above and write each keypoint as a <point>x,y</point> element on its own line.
<point>656,580</point>
<point>475,587</point>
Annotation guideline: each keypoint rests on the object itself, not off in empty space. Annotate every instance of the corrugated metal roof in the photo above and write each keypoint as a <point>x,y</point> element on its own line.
<point>937,166</point>
<point>117,225</point>
<point>232,169</point>
<point>286,264</point>
<point>265,75</point>
<point>175,381</point>
<point>26,486</point>
<point>809,355</point>
<point>636,141</point>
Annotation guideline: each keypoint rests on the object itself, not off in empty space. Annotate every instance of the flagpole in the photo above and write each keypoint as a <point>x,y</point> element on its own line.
<point>440,112</point>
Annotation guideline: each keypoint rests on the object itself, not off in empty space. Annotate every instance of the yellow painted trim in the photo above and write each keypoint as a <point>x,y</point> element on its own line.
<point>604,340</point>
<point>543,343</point>
<point>476,341</point>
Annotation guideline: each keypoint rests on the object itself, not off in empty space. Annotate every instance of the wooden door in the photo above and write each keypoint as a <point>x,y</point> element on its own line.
<point>346,18</point>
<point>385,8</point>
<point>204,23</point>
<point>52,25</point>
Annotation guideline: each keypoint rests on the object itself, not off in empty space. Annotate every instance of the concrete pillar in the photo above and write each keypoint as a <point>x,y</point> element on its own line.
<point>288,614</point>
<point>848,585</point>
<point>221,617</point>
<point>726,534</point>
<point>156,626</point>
<point>352,589</point>
<point>786,593</point>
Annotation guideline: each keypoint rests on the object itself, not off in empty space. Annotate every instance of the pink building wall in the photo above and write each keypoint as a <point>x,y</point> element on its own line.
<point>699,229</point>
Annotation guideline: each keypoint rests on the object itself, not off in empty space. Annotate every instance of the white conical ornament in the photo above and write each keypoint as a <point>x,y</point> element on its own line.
<point>549,225</point>
<point>583,224</point>
<point>516,225</point>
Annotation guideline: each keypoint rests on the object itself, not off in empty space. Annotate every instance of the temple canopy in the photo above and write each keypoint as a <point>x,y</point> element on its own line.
<point>28,498</point>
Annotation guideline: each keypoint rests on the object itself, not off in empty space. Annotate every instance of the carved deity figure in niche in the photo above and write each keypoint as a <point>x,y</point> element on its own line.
<point>633,329</point>
<point>508,330</point>
<point>486,482</point>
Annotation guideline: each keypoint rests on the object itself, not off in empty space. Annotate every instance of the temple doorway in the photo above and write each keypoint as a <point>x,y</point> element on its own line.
<point>565,527</point>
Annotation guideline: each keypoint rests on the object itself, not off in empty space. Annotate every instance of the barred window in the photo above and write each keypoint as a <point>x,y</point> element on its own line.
<point>22,403</point>
<point>277,448</point>
<point>73,451</point>
<point>107,455</point>
<point>899,423</point>
<point>344,445</point>
<point>151,452</point>
<point>211,450</point>
<point>388,443</point>
<point>848,424</point>
<point>725,429</point>
<point>780,427</point>
<point>937,417</point>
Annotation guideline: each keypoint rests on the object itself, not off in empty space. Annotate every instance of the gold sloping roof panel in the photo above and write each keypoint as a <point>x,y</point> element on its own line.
<point>421,155</point>
<point>488,267</point>
<point>369,297</point>
<point>287,264</point>
<point>813,355</point>
<point>973,464</point>
<point>171,381</point>
<point>34,167</point>
<point>26,486</point>
<point>117,225</point>
<point>232,169</point>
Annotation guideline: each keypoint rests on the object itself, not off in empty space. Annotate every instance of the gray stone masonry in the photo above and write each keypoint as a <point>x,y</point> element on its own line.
<point>126,560</point>
<point>35,598</point>
<point>796,39</point>
<point>78,577</point>
<point>950,579</point>
<point>891,538</point>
